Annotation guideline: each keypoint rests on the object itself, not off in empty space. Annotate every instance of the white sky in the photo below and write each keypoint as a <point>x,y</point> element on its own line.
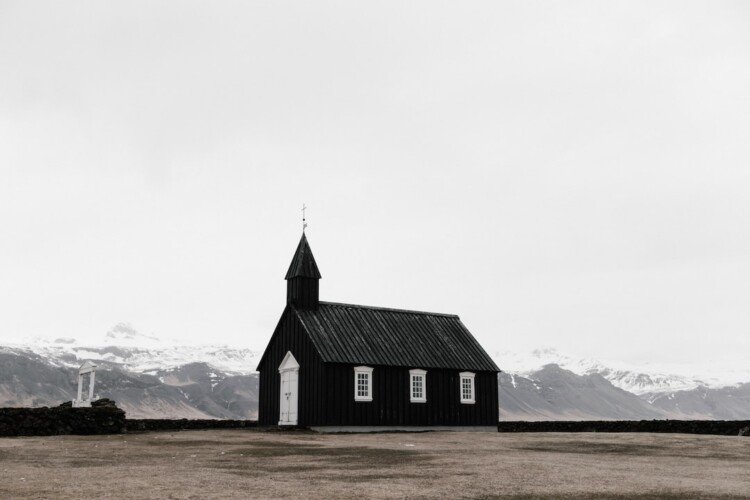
<point>570,174</point>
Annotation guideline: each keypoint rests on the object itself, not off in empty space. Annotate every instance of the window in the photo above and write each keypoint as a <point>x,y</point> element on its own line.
<point>467,387</point>
<point>362,383</point>
<point>418,386</point>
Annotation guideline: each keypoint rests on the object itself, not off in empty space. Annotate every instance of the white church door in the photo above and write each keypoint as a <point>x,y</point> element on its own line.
<point>289,371</point>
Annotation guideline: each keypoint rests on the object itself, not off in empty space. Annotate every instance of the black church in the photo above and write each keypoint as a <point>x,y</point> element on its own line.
<point>333,366</point>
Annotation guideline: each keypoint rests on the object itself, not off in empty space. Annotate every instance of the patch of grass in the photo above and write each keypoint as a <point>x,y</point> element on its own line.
<point>180,442</point>
<point>296,468</point>
<point>668,495</point>
<point>595,448</point>
<point>319,470</point>
<point>363,478</point>
<point>89,462</point>
<point>358,458</point>
<point>272,449</point>
<point>629,449</point>
<point>342,457</point>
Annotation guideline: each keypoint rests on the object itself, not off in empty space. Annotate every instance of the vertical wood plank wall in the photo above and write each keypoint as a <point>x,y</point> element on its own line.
<point>289,336</point>
<point>302,292</point>
<point>391,403</point>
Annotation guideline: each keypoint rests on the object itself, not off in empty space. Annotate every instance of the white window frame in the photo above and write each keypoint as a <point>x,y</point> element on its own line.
<point>470,377</point>
<point>367,371</point>
<point>414,375</point>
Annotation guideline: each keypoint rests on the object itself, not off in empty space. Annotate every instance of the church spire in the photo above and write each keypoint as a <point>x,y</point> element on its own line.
<point>303,264</point>
<point>302,278</point>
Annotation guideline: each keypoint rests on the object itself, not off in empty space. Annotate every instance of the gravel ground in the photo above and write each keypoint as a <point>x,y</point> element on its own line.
<point>222,464</point>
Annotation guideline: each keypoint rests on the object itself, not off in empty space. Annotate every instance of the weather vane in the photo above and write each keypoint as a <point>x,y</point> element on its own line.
<point>304,224</point>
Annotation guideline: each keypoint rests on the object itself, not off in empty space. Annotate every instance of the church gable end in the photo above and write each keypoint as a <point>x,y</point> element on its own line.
<point>289,337</point>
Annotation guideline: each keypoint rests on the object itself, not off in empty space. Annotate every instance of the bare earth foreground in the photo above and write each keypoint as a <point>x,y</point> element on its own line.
<point>255,464</point>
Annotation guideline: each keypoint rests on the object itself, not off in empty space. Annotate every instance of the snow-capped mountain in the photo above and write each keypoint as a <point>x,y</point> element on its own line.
<point>553,393</point>
<point>147,377</point>
<point>153,378</point>
<point>548,385</point>
<point>125,347</point>
<point>726,403</point>
<point>647,381</point>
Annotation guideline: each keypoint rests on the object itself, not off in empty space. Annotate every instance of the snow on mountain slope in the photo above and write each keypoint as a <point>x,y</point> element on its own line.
<point>553,393</point>
<point>126,347</point>
<point>726,403</point>
<point>150,377</point>
<point>644,380</point>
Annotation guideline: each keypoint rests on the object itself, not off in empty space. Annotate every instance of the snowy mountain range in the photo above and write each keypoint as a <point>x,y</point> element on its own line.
<point>124,347</point>
<point>548,385</point>
<point>147,377</point>
<point>150,378</point>
<point>640,380</point>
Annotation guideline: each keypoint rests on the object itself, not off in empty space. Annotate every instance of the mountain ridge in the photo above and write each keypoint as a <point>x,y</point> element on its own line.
<point>640,380</point>
<point>151,378</point>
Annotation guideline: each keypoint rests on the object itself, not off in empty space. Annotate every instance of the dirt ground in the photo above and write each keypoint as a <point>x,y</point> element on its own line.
<point>223,464</point>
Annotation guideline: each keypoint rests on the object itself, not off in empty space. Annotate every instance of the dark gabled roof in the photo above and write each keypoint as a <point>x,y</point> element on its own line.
<point>346,333</point>
<point>303,264</point>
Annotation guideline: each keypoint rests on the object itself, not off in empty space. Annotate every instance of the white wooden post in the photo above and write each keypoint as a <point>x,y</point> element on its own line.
<point>80,386</point>
<point>91,385</point>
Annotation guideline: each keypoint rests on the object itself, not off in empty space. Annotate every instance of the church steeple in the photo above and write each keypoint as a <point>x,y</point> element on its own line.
<point>302,278</point>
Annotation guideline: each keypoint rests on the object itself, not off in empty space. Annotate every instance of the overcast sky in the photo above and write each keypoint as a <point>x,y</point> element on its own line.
<point>570,174</point>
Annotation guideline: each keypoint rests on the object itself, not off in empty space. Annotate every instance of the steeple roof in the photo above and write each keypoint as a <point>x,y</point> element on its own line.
<point>303,264</point>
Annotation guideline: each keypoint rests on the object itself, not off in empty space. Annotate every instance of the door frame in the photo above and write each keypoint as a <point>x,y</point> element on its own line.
<point>289,371</point>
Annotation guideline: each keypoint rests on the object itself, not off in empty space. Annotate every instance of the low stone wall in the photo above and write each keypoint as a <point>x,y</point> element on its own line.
<point>163,424</point>
<point>718,427</point>
<point>105,418</point>
<point>61,420</point>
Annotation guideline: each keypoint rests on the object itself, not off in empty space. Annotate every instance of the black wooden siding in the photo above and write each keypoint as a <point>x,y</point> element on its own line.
<point>391,387</point>
<point>289,336</point>
<point>326,390</point>
<point>302,293</point>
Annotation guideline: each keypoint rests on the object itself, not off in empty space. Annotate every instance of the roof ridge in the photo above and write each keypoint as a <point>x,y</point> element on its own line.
<point>389,309</point>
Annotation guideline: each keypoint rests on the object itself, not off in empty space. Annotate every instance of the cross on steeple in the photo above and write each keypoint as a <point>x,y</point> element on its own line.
<point>304,224</point>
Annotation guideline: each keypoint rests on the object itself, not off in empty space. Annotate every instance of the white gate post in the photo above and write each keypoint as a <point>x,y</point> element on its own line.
<point>91,385</point>
<point>80,386</point>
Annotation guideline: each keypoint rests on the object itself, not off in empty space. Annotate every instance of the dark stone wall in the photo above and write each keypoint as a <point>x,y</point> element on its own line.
<point>105,418</point>
<point>718,427</point>
<point>61,420</point>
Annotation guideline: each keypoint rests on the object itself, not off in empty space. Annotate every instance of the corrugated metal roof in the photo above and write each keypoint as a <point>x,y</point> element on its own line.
<point>303,263</point>
<point>346,333</point>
